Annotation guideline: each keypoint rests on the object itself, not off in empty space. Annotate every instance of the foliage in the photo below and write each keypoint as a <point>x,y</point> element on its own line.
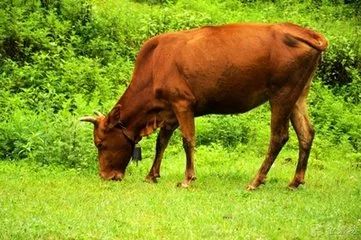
<point>26,135</point>
<point>62,59</point>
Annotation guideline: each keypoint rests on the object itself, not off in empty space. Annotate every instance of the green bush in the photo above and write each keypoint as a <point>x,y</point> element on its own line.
<point>341,67</point>
<point>233,130</point>
<point>48,138</point>
<point>336,121</point>
<point>63,59</point>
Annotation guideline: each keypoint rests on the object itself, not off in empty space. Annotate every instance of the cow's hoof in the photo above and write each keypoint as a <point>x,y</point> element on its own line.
<point>251,187</point>
<point>256,183</point>
<point>151,179</point>
<point>295,184</point>
<point>186,182</point>
<point>183,185</point>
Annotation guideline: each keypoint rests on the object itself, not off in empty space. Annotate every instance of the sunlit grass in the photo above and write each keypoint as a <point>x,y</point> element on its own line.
<point>49,186</point>
<point>49,202</point>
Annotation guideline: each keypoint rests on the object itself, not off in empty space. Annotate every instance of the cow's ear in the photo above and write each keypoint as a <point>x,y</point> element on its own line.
<point>113,117</point>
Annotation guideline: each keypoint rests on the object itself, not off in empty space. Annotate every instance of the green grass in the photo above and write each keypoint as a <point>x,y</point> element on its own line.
<point>70,64</point>
<point>52,203</point>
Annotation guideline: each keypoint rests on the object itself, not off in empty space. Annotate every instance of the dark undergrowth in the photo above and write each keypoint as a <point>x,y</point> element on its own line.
<point>62,59</point>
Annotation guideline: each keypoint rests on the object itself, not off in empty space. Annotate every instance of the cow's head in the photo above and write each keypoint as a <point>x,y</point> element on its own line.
<point>114,146</point>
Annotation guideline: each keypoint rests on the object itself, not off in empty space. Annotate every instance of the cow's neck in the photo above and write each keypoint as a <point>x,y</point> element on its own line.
<point>137,111</point>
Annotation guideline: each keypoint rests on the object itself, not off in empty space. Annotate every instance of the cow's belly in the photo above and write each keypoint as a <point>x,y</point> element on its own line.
<point>233,90</point>
<point>230,102</point>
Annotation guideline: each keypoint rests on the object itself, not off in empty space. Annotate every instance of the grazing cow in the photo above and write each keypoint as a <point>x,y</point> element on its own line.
<point>214,69</point>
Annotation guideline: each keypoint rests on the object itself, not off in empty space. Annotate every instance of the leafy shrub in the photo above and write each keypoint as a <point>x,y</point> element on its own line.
<point>64,58</point>
<point>335,120</point>
<point>12,143</point>
<point>47,138</point>
<point>341,68</point>
<point>228,131</point>
<point>156,1</point>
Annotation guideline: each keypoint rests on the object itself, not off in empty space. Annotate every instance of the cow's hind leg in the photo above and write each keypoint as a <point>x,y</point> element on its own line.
<point>282,107</point>
<point>305,135</point>
<point>279,136</point>
<point>162,142</point>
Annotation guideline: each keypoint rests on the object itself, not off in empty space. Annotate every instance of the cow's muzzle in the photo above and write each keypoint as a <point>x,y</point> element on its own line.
<point>114,175</point>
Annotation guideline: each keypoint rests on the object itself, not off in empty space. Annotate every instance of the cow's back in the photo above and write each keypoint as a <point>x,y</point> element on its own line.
<point>227,69</point>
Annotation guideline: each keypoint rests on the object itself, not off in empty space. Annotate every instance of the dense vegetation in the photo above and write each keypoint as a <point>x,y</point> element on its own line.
<point>62,59</point>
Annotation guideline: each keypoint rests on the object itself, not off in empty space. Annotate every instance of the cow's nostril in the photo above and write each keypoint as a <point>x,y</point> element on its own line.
<point>115,176</point>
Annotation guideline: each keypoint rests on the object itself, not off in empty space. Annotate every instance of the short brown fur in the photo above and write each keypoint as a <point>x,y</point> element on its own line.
<point>218,69</point>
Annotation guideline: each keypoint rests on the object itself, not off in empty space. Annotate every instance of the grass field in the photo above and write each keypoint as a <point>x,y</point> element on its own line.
<point>63,59</point>
<point>53,203</point>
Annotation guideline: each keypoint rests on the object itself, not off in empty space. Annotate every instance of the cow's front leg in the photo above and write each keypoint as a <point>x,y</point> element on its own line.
<point>188,145</point>
<point>162,142</point>
<point>185,119</point>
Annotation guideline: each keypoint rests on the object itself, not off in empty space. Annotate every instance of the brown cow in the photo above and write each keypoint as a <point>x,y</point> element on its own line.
<point>214,69</point>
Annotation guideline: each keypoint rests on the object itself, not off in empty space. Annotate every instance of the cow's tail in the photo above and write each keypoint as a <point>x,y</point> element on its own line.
<point>311,38</point>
